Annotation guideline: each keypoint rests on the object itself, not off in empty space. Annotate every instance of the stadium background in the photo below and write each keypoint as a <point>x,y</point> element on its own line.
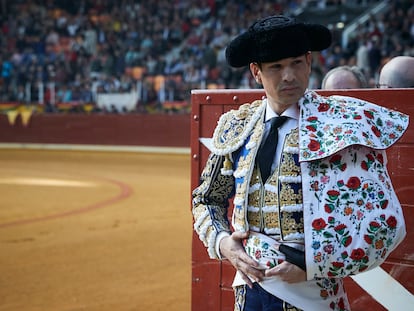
<point>102,89</point>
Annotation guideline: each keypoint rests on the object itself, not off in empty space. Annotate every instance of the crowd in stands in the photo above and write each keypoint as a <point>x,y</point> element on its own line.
<point>57,51</point>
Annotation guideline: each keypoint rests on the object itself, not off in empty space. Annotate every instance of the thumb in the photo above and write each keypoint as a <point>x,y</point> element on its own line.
<point>238,235</point>
<point>294,256</point>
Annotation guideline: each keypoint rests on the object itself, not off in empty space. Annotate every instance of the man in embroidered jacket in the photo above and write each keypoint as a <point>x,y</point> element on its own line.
<point>328,209</point>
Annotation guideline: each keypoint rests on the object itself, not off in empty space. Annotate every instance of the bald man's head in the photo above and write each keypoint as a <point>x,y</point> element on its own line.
<point>397,73</point>
<point>344,77</point>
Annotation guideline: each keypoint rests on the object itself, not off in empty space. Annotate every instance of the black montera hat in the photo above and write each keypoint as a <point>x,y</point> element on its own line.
<point>276,37</point>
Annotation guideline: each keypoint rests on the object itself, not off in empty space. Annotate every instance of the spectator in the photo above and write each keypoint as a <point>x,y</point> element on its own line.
<point>362,58</point>
<point>6,72</point>
<point>64,94</point>
<point>344,77</point>
<point>105,37</point>
<point>397,73</point>
<point>375,56</point>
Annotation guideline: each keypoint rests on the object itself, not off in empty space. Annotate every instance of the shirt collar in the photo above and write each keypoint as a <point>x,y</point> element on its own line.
<point>292,112</point>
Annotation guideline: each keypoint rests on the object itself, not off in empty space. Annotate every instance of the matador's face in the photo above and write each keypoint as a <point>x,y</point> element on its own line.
<point>284,81</point>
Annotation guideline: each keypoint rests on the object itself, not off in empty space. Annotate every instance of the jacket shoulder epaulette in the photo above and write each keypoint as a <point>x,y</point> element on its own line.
<point>235,126</point>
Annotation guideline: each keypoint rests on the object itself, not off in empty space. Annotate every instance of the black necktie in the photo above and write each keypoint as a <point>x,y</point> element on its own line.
<point>267,151</point>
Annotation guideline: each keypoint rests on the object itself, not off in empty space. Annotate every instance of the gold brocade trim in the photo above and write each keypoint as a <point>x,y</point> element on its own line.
<point>288,166</point>
<point>290,196</point>
<point>254,219</point>
<point>235,126</point>
<point>239,214</point>
<point>243,165</point>
<point>239,297</point>
<point>240,300</point>
<point>271,198</point>
<point>238,219</point>
<point>288,307</point>
<point>240,191</point>
<point>292,140</point>
<point>257,133</point>
<point>276,207</point>
<point>271,220</point>
<point>255,179</point>
<point>254,198</point>
<point>290,225</point>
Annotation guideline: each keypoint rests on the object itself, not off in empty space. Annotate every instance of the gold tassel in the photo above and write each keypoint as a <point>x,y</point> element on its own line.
<point>227,168</point>
<point>227,163</point>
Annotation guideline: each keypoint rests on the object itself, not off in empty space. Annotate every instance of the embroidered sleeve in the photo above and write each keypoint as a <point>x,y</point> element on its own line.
<point>211,202</point>
<point>353,217</point>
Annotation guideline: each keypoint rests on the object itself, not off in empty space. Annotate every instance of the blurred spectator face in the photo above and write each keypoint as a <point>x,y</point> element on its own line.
<point>342,80</point>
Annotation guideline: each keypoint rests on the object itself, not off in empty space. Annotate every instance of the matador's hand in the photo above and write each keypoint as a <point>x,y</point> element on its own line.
<point>231,248</point>
<point>288,272</point>
<point>293,269</point>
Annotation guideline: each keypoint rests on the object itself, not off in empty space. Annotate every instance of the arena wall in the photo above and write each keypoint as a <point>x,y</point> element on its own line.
<point>166,130</point>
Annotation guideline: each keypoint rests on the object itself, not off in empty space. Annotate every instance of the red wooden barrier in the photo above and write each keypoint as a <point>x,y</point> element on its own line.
<point>99,129</point>
<point>211,280</point>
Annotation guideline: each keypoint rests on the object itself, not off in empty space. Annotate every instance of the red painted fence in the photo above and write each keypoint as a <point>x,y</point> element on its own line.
<point>98,129</point>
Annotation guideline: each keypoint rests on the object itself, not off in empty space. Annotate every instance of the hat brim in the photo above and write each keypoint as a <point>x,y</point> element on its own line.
<point>274,43</point>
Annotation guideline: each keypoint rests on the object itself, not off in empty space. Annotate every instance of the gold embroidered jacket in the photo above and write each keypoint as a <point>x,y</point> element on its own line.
<point>352,217</point>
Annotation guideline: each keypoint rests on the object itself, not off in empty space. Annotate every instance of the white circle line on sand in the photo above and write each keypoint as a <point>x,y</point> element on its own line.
<point>124,192</point>
<point>49,182</point>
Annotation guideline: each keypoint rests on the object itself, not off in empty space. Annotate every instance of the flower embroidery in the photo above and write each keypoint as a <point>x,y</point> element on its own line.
<point>357,254</point>
<point>349,198</point>
<point>314,145</point>
<point>369,114</point>
<point>319,224</point>
<point>340,228</point>
<point>332,123</point>
<point>376,131</point>
<point>353,183</point>
<point>311,127</point>
<point>323,107</point>
<point>328,248</point>
<point>392,222</point>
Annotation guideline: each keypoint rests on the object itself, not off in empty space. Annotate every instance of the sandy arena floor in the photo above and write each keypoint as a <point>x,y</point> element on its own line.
<point>94,231</point>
